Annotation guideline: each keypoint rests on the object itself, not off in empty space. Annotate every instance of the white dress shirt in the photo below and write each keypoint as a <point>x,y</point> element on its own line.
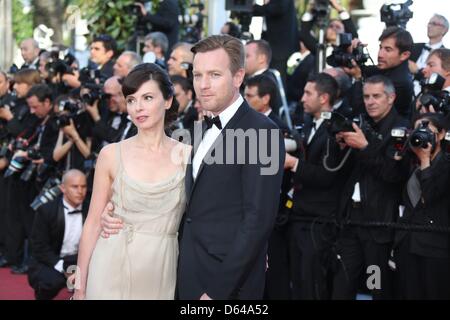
<point>422,60</point>
<point>212,134</point>
<point>72,233</point>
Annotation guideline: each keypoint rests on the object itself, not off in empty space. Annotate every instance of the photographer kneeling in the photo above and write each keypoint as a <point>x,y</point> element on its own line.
<point>423,256</point>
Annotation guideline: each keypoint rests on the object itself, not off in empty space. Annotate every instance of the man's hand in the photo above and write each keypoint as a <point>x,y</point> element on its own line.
<point>340,140</point>
<point>93,111</point>
<point>355,140</point>
<point>205,297</point>
<point>6,114</point>
<point>141,6</point>
<point>290,161</point>
<point>413,68</point>
<point>354,72</point>
<point>110,225</point>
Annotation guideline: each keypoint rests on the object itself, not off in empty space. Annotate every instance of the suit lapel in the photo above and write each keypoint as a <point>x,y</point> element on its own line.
<point>232,124</point>
<point>60,222</point>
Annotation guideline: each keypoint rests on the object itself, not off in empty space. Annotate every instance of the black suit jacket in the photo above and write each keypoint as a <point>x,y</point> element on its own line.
<point>282,28</point>
<point>166,21</point>
<point>416,51</point>
<point>47,235</point>
<point>316,190</point>
<point>432,210</point>
<point>230,214</point>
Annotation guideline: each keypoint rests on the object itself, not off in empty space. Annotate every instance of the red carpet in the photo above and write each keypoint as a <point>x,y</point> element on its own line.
<point>16,287</point>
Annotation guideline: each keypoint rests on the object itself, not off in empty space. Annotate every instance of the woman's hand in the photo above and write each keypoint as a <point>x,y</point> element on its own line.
<point>70,131</point>
<point>424,155</point>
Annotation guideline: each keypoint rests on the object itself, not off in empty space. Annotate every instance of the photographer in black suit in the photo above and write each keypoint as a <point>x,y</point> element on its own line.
<point>316,195</point>
<point>422,258</point>
<point>395,50</point>
<point>371,193</point>
<point>56,235</point>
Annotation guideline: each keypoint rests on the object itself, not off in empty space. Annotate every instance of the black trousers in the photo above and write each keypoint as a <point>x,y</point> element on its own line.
<point>357,251</point>
<point>311,257</point>
<point>3,199</point>
<point>19,217</point>
<point>46,281</point>
<point>418,277</point>
<point>278,284</point>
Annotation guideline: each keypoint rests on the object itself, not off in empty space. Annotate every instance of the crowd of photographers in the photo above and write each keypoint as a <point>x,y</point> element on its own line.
<point>363,202</point>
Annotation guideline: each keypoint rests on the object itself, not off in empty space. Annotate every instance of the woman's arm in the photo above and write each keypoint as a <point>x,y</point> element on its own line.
<point>61,149</point>
<point>92,228</point>
<point>83,147</point>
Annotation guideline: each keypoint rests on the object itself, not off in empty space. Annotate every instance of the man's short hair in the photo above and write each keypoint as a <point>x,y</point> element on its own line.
<point>444,55</point>
<point>41,92</point>
<point>232,46</point>
<point>325,84</point>
<point>263,48</point>
<point>108,42</point>
<point>443,20</point>
<point>135,59</point>
<point>403,39</point>
<point>389,87</point>
<point>265,85</point>
<point>183,82</point>
<point>28,76</point>
<point>159,40</point>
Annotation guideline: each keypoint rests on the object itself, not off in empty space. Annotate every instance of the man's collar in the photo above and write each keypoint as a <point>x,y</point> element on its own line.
<point>261,71</point>
<point>69,208</point>
<point>228,113</point>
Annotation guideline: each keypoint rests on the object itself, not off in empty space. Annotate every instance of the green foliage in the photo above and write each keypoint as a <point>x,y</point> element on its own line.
<point>22,23</point>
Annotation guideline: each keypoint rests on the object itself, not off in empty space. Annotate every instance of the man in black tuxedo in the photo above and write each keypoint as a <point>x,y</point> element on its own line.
<point>231,207</point>
<point>103,50</point>
<point>29,49</point>
<point>280,31</point>
<point>232,196</point>
<point>55,237</point>
<point>393,55</point>
<point>316,195</point>
<point>371,194</point>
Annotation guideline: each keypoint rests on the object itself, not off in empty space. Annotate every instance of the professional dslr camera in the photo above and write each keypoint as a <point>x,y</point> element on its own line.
<point>243,11</point>
<point>59,63</point>
<point>342,58</point>
<point>67,110</point>
<point>404,138</point>
<point>433,95</point>
<point>50,192</point>
<point>396,14</point>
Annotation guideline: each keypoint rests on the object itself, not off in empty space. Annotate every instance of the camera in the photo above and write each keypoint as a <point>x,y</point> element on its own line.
<point>336,122</point>
<point>91,77</point>
<point>396,14</point>
<point>433,95</point>
<point>50,192</point>
<point>59,64</point>
<point>95,93</point>
<point>17,164</point>
<point>404,138</point>
<point>293,142</point>
<point>242,10</point>
<point>321,10</point>
<point>67,110</point>
<point>193,24</point>
<point>342,58</point>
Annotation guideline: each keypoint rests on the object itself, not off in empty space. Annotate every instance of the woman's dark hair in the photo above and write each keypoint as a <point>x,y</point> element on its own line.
<point>150,71</point>
<point>436,119</point>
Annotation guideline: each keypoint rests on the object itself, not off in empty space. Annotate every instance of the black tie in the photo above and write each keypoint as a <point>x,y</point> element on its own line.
<point>427,48</point>
<point>73,211</point>
<point>213,121</point>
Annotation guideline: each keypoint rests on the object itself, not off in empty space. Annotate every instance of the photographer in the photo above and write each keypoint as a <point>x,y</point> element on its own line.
<point>280,32</point>
<point>334,28</point>
<point>422,258</point>
<point>125,63</point>
<point>103,50</point>
<point>439,62</point>
<point>180,57</point>
<point>371,193</point>
<point>29,48</point>
<point>59,76</point>
<point>17,113</point>
<point>165,19</point>
<point>74,142</point>
<point>157,43</point>
<point>113,124</point>
<point>32,153</point>
<point>393,55</point>
<point>316,194</point>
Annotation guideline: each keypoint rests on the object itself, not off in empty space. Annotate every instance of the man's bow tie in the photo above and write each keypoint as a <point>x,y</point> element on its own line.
<point>213,121</point>
<point>427,48</point>
<point>73,211</point>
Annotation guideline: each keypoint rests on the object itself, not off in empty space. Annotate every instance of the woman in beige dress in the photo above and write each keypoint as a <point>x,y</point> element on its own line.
<point>144,179</point>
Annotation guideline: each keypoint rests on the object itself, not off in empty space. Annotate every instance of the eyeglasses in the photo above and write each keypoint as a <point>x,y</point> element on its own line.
<point>435,24</point>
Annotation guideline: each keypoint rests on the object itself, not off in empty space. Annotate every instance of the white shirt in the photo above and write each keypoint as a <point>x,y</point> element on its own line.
<point>422,60</point>
<point>267,113</point>
<point>212,134</point>
<point>128,127</point>
<point>72,233</point>
<point>318,123</point>
<point>257,73</point>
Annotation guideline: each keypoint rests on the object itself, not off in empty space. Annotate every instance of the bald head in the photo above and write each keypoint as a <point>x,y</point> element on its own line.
<point>181,53</point>
<point>113,87</point>
<point>74,187</point>
<point>30,50</point>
